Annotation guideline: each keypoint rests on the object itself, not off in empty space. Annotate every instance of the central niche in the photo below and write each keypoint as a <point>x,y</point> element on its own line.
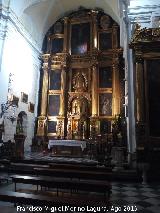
<point>80,38</point>
<point>80,80</point>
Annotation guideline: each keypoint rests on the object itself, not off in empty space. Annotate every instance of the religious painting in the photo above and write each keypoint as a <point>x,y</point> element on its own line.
<point>105,104</point>
<point>53,105</point>
<point>15,100</point>
<point>105,41</point>
<point>55,80</point>
<point>153,73</point>
<point>57,45</point>
<point>105,77</point>
<point>24,97</point>
<point>31,107</point>
<point>80,38</point>
<point>105,126</point>
<point>52,126</point>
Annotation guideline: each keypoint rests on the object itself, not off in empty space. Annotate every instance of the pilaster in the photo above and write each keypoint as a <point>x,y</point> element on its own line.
<point>42,117</point>
<point>116,88</point>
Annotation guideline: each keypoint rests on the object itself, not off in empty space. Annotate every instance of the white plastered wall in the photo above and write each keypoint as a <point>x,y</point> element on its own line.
<point>21,59</point>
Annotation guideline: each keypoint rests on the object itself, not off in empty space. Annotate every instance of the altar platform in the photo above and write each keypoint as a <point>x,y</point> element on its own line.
<point>67,147</point>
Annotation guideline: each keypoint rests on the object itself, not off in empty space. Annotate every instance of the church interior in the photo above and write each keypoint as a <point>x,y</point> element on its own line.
<point>79,106</point>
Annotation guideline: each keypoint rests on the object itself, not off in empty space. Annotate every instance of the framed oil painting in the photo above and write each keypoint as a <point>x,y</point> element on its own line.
<point>105,77</point>
<point>105,104</point>
<point>52,126</point>
<point>24,97</point>
<point>105,41</point>
<point>57,45</point>
<point>80,38</point>
<point>54,104</point>
<point>31,107</point>
<point>15,100</point>
<point>55,80</point>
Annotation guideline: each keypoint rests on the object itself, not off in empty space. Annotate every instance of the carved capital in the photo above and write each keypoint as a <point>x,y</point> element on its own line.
<point>65,20</point>
<point>94,16</point>
<point>138,58</point>
<point>45,57</point>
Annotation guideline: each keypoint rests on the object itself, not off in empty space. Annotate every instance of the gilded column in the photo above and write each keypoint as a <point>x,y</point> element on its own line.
<point>42,117</point>
<point>94,118</point>
<point>94,91</point>
<point>66,38</point>
<point>115,37</point>
<point>63,90</point>
<point>116,88</point>
<point>94,19</point>
<point>61,125</point>
<point>140,114</point>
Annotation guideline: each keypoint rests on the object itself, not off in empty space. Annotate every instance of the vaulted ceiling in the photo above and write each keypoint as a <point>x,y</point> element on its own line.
<point>146,12</point>
<point>39,15</point>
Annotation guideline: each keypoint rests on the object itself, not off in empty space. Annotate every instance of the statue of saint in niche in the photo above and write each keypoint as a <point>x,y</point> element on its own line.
<point>75,107</point>
<point>79,107</point>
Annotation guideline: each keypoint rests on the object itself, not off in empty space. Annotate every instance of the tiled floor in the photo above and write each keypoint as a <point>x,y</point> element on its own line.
<point>143,198</point>
<point>126,197</point>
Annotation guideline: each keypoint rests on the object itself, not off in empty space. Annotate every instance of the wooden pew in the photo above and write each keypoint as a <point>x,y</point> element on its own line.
<point>63,183</point>
<point>47,201</point>
<point>74,173</point>
<point>80,167</point>
<point>24,168</point>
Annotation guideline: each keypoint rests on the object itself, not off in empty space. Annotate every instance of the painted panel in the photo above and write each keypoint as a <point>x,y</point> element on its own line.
<point>57,45</point>
<point>105,41</point>
<point>105,77</point>
<point>55,80</point>
<point>80,38</point>
<point>105,104</point>
<point>54,104</point>
<point>52,126</point>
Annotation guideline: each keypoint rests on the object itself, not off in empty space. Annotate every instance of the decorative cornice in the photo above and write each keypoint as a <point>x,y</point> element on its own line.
<point>145,34</point>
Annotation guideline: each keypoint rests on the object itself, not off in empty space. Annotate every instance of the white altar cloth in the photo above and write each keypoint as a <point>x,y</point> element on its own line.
<point>52,143</point>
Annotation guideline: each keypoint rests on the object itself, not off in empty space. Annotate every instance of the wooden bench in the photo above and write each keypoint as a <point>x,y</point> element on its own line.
<point>24,168</point>
<point>62,161</point>
<point>47,201</point>
<point>3,178</point>
<point>74,173</point>
<point>80,167</point>
<point>63,183</point>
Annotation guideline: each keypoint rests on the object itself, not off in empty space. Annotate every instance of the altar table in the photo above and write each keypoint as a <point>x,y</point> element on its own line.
<point>67,147</point>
